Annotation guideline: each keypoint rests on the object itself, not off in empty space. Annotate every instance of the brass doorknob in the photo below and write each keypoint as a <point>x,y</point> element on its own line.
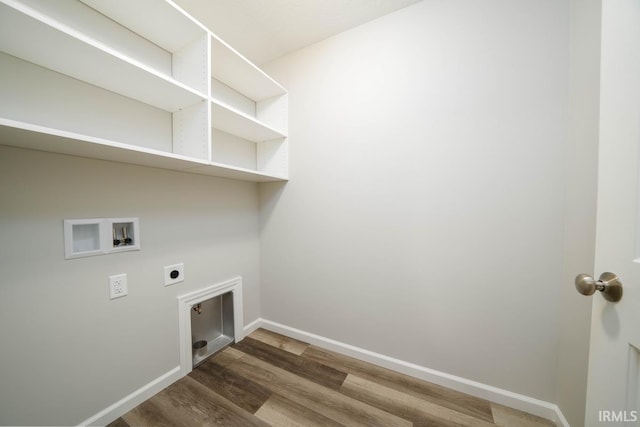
<point>608,283</point>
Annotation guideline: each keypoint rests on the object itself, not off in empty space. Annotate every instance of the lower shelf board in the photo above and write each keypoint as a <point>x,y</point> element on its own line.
<point>213,346</point>
<point>34,137</point>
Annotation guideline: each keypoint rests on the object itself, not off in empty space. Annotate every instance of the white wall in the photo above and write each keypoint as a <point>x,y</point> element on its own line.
<point>67,351</point>
<point>580,219</point>
<point>424,216</point>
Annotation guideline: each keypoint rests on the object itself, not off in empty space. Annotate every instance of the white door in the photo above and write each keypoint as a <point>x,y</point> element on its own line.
<point>613,391</point>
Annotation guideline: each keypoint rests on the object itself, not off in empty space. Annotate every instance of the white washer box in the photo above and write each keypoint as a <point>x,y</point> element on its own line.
<point>100,236</point>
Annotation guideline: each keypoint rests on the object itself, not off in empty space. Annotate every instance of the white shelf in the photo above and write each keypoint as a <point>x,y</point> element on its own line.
<point>234,70</point>
<point>26,135</point>
<point>232,121</point>
<point>59,48</point>
<point>160,21</point>
<point>137,82</point>
<point>226,171</point>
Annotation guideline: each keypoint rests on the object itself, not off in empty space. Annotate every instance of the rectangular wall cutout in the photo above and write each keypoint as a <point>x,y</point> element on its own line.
<point>100,236</point>
<point>208,320</point>
<point>124,233</point>
<point>86,237</point>
<point>212,326</point>
<point>82,237</point>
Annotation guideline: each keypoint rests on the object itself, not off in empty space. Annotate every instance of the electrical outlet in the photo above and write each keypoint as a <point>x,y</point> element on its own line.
<point>118,286</point>
<point>173,274</point>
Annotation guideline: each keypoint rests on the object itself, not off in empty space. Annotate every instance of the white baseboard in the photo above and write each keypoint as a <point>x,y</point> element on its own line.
<point>253,326</point>
<point>129,402</point>
<point>517,401</point>
<point>504,397</point>
<point>560,419</point>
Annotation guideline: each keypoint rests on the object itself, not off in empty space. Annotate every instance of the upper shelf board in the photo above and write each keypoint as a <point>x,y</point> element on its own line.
<point>233,172</point>
<point>160,21</point>
<point>237,72</point>
<point>232,121</point>
<point>66,51</point>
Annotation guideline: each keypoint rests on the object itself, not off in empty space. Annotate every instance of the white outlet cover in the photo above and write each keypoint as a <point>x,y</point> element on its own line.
<point>168,280</point>
<point>118,286</point>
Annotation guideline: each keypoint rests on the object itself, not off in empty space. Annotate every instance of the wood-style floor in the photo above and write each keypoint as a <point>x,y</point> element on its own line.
<point>270,380</point>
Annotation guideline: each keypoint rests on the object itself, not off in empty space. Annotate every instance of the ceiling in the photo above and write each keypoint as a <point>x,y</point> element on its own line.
<point>263,30</point>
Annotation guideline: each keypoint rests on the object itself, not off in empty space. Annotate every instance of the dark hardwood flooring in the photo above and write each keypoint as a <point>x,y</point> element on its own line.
<point>268,379</point>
